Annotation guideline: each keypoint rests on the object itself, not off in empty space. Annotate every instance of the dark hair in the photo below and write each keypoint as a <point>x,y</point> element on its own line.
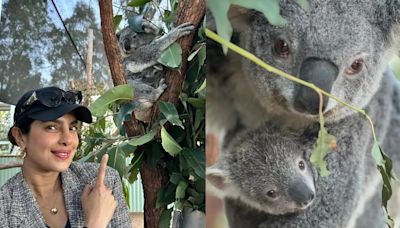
<point>45,104</point>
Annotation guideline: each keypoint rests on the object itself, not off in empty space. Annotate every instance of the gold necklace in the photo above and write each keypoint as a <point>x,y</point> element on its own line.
<point>54,209</point>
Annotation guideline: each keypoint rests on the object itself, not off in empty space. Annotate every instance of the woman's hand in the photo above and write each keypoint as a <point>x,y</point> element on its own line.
<point>98,202</point>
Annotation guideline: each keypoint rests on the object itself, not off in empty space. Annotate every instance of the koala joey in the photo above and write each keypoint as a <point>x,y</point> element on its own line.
<point>140,51</point>
<point>265,171</point>
<point>341,46</point>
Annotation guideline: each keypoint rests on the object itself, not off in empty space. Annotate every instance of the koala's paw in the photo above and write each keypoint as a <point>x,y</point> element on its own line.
<point>184,29</point>
<point>161,87</point>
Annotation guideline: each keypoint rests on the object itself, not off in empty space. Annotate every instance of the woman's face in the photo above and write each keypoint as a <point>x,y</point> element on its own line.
<point>51,145</point>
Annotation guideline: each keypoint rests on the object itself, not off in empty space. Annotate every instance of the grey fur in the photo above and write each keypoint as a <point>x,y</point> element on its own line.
<point>264,157</point>
<point>140,52</point>
<point>337,32</point>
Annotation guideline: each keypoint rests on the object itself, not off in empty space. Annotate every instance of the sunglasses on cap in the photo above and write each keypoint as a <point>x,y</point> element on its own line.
<point>52,97</point>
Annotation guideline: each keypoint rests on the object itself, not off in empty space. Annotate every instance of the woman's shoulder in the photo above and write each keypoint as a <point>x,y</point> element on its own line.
<point>12,184</point>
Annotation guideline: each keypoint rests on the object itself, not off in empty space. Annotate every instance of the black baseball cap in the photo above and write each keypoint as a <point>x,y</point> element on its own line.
<point>48,103</point>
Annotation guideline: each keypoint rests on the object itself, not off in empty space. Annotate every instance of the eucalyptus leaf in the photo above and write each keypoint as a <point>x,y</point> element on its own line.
<point>196,160</point>
<point>166,196</point>
<point>140,140</point>
<point>220,8</point>
<point>170,113</point>
<point>197,48</point>
<point>197,102</point>
<point>175,178</point>
<point>202,87</point>
<point>181,190</point>
<point>320,150</point>
<point>117,21</point>
<point>136,162</point>
<point>165,219</point>
<point>172,56</point>
<point>136,3</point>
<point>124,114</point>
<point>116,160</point>
<point>168,143</point>
<point>117,93</point>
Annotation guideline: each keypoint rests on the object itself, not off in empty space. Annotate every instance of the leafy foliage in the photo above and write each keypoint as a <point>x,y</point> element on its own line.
<point>180,145</point>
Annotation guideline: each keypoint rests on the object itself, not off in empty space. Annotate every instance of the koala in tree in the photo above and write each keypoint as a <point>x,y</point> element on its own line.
<point>140,52</point>
<point>264,171</point>
<point>343,47</point>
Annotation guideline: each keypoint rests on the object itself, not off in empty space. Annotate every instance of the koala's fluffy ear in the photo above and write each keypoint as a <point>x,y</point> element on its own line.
<point>217,180</point>
<point>386,15</point>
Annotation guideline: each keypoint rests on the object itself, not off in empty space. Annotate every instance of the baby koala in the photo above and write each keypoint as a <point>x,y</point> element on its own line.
<point>140,51</point>
<point>265,171</point>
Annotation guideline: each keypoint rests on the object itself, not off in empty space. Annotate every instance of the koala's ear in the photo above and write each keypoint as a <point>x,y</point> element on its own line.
<point>217,180</point>
<point>386,15</point>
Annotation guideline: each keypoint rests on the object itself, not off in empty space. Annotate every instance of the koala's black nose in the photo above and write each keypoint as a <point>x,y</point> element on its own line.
<point>321,73</point>
<point>127,45</point>
<point>301,193</point>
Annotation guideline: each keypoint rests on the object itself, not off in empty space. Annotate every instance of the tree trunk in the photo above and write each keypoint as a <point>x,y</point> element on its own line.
<point>153,179</point>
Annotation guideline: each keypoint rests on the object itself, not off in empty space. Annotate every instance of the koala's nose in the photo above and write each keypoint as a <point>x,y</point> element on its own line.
<point>301,193</point>
<point>127,45</point>
<point>321,73</point>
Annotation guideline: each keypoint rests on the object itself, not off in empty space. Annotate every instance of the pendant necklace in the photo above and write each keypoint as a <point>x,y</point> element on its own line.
<point>54,209</point>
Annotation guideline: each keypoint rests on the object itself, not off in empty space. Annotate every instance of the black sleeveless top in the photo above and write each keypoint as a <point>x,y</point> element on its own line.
<point>68,225</point>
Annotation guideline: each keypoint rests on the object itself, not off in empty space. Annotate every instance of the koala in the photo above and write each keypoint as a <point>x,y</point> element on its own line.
<point>140,51</point>
<point>266,172</point>
<point>342,47</point>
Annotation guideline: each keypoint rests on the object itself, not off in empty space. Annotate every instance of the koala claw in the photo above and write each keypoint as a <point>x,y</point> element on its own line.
<point>184,29</point>
<point>162,85</point>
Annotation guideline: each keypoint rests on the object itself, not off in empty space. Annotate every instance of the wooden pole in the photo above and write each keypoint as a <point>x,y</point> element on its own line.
<point>89,68</point>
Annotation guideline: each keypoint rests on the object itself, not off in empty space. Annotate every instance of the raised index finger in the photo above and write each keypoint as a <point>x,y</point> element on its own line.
<point>102,171</point>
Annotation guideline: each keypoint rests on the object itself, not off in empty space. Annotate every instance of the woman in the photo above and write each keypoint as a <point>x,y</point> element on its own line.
<point>51,190</point>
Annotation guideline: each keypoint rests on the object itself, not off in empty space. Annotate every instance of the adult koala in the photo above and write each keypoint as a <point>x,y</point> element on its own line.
<point>342,47</point>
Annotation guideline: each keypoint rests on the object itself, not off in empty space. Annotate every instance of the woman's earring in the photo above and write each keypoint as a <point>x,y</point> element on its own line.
<point>22,152</point>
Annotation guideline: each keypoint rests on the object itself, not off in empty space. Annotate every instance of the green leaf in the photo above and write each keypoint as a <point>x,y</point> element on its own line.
<point>140,140</point>
<point>136,162</point>
<point>202,87</point>
<point>124,114</point>
<point>195,159</point>
<point>170,113</point>
<point>198,118</point>
<point>377,155</point>
<point>117,160</point>
<point>202,56</point>
<point>172,56</point>
<point>135,3</point>
<point>175,178</point>
<point>165,219</point>
<point>166,196</point>
<point>196,48</point>
<point>117,21</point>
<point>168,143</point>
<point>197,102</point>
<point>181,190</point>
<point>321,149</point>
<point>220,8</point>
<point>117,93</point>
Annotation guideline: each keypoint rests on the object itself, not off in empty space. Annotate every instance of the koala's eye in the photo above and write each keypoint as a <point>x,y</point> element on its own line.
<point>302,166</point>
<point>281,48</point>
<point>355,67</point>
<point>272,194</point>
